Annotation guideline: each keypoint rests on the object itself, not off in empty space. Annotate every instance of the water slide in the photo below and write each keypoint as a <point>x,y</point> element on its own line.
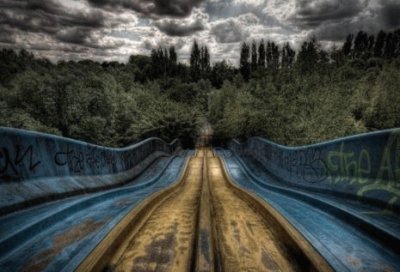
<point>342,195</point>
<point>256,206</point>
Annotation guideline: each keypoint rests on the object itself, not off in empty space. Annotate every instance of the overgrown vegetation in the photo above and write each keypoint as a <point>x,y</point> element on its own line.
<point>290,98</point>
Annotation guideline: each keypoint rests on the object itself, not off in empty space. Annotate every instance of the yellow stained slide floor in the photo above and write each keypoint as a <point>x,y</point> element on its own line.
<point>205,223</point>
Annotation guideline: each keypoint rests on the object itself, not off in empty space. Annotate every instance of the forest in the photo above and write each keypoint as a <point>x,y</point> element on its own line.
<point>291,97</point>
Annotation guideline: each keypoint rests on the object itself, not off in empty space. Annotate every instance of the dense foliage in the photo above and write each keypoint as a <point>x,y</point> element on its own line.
<point>101,103</point>
<point>316,96</point>
<point>290,98</point>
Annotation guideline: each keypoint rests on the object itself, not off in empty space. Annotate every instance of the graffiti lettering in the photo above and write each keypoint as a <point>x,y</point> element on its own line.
<point>305,165</point>
<point>7,161</point>
<point>92,159</point>
<point>73,159</point>
<point>357,169</point>
<point>12,163</point>
<point>343,165</point>
<point>388,177</point>
<point>77,160</point>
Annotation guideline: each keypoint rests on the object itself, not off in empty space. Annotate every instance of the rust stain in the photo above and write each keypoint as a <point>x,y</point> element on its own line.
<point>159,254</point>
<point>41,260</point>
<point>247,239</point>
<point>167,237</point>
<point>268,262</point>
<point>353,261</point>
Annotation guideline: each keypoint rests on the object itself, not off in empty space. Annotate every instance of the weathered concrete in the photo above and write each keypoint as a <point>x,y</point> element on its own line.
<point>364,167</point>
<point>240,232</point>
<point>351,235</point>
<point>58,235</point>
<point>36,167</point>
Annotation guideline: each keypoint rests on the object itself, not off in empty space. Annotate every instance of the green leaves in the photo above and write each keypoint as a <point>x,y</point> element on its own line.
<point>118,104</point>
<point>292,108</point>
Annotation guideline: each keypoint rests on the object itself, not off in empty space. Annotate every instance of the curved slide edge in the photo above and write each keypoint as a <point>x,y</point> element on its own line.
<point>37,167</point>
<point>317,261</point>
<point>96,219</point>
<point>378,231</point>
<point>20,236</point>
<point>324,239</point>
<point>363,167</point>
<point>97,256</point>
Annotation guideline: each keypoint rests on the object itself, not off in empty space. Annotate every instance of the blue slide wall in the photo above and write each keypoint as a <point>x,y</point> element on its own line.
<point>364,167</point>
<point>36,166</point>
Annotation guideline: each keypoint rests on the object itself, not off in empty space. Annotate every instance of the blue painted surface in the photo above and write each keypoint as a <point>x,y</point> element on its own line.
<point>381,224</point>
<point>343,196</point>
<point>351,232</point>
<point>35,167</point>
<point>364,167</point>
<point>59,234</point>
<point>36,231</point>
<point>341,243</point>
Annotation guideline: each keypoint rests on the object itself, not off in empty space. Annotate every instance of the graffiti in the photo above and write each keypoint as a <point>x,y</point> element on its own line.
<point>93,159</point>
<point>386,168</point>
<point>369,169</point>
<point>73,159</point>
<point>77,160</point>
<point>304,165</point>
<point>343,165</point>
<point>388,177</point>
<point>349,167</point>
<point>10,163</point>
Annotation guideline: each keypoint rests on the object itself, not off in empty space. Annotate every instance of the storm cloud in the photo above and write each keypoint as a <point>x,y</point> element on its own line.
<point>175,28</point>
<point>178,8</point>
<point>112,30</point>
<point>229,31</point>
<point>391,13</point>
<point>314,13</point>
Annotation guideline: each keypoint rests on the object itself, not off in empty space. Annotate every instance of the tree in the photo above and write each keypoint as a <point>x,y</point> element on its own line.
<point>155,67</point>
<point>371,42</point>
<point>360,44</point>
<point>396,41</point>
<point>195,61</point>
<point>275,55</point>
<point>337,55</point>
<point>261,55</point>
<point>269,55</point>
<point>160,62</point>
<point>253,56</point>
<point>173,59</point>
<point>244,65</point>
<point>389,49</point>
<point>172,55</point>
<point>288,55</point>
<point>205,61</point>
<point>379,44</point>
<point>346,49</point>
<point>221,71</point>
<point>165,60</point>
<point>308,55</point>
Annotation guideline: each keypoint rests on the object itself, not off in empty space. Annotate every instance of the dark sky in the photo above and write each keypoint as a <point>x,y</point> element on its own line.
<point>114,29</point>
